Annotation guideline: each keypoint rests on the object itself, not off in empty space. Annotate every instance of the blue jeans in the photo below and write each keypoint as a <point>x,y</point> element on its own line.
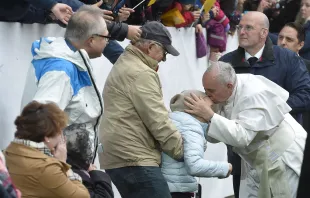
<point>140,182</point>
<point>112,51</point>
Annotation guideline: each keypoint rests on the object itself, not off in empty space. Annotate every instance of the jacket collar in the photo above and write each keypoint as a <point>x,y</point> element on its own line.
<point>23,150</point>
<point>29,152</point>
<point>239,58</point>
<point>61,48</point>
<point>153,64</point>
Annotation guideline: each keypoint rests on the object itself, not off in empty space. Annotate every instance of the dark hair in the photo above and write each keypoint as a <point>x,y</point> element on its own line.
<point>40,120</point>
<point>79,149</point>
<point>301,35</point>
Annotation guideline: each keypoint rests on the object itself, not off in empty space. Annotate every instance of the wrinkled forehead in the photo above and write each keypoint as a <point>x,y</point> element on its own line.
<point>251,20</point>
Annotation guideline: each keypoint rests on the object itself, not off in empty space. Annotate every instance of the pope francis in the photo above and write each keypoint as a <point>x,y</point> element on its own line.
<point>253,117</point>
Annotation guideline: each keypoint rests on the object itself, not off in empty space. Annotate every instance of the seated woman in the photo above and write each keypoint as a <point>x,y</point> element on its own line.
<point>80,156</point>
<point>36,158</point>
<point>180,176</point>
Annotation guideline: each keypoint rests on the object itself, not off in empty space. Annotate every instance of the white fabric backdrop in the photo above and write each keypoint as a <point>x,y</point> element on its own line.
<point>176,74</point>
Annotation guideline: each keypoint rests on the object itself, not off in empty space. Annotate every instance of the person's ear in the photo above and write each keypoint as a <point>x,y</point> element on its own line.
<point>46,139</point>
<point>90,41</point>
<point>301,45</point>
<point>150,47</point>
<point>230,88</point>
<point>264,33</point>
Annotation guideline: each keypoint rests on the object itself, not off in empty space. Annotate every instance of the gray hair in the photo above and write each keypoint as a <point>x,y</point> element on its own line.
<point>225,72</point>
<point>88,20</point>
<point>142,43</point>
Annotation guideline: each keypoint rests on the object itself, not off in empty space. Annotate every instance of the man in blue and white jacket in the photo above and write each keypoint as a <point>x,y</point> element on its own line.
<point>180,176</point>
<point>61,71</point>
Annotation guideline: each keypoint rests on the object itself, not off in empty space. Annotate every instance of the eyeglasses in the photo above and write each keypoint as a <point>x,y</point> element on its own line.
<point>107,38</point>
<point>247,28</point>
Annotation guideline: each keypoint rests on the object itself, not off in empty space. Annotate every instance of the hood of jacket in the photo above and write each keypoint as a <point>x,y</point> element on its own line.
<point>57,48</point>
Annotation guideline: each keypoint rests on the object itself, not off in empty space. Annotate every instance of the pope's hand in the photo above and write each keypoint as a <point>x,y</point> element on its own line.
<point>199,106</point>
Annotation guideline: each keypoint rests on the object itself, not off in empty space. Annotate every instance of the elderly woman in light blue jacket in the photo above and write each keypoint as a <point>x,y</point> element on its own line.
<point>180,176</point>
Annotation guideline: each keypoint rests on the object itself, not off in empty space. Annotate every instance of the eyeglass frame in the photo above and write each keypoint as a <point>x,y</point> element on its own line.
<point>107,38</point>
<point>247,28</point>
<point>162,46</point>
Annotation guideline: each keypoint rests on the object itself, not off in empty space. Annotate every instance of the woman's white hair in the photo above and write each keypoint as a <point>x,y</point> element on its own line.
<point>225,72</point>
<point>88,20</point>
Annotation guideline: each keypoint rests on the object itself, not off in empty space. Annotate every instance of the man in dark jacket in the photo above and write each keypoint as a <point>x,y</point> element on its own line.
<point>292,37</point>
<point>79,156</point>
<point>257,55</point>
<point>38,11</point>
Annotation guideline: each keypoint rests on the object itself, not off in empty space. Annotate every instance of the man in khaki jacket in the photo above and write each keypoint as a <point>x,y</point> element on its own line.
<point>135,127</point>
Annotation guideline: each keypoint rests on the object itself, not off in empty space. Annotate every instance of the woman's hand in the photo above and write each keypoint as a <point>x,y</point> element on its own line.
<point>92,167</point>
<point>60,151</point>
<point>62,12</point>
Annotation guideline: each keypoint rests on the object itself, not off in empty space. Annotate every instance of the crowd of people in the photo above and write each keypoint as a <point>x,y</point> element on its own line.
<point>256,100</point>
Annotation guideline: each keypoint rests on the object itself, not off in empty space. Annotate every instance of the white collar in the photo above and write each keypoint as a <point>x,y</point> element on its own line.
<point>257,55</point>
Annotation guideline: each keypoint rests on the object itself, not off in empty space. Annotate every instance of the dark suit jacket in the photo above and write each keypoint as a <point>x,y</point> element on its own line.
<point>306,115</point>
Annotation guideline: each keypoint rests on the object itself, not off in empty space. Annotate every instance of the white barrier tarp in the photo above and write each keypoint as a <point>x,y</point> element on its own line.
<point>176,74</point>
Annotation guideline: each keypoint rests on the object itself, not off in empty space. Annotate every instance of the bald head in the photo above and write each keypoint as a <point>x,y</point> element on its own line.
<point>253,31</point>
<point>258,18</point>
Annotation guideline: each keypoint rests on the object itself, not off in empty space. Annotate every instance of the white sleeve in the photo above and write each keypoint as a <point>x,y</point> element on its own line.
<point>230,132</point>
<point>54,86</point>
<point>194,160</point>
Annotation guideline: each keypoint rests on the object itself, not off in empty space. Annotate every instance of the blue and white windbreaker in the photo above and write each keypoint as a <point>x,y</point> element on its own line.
<point>63,75</point>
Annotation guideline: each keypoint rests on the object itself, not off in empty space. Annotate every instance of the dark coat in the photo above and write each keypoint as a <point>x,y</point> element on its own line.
<point>14,10</point>
<point>98,183</point>
<point>306,115</point>
<point>305,51</point>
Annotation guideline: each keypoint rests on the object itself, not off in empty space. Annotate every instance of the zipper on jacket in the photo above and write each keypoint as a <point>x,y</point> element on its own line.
<point>101,106</point>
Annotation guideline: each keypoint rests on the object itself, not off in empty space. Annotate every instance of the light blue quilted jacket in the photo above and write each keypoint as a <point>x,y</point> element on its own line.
<point>180,176</point>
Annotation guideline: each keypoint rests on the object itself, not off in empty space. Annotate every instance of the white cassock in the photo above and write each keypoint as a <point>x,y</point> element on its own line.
<point>256,122</point>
